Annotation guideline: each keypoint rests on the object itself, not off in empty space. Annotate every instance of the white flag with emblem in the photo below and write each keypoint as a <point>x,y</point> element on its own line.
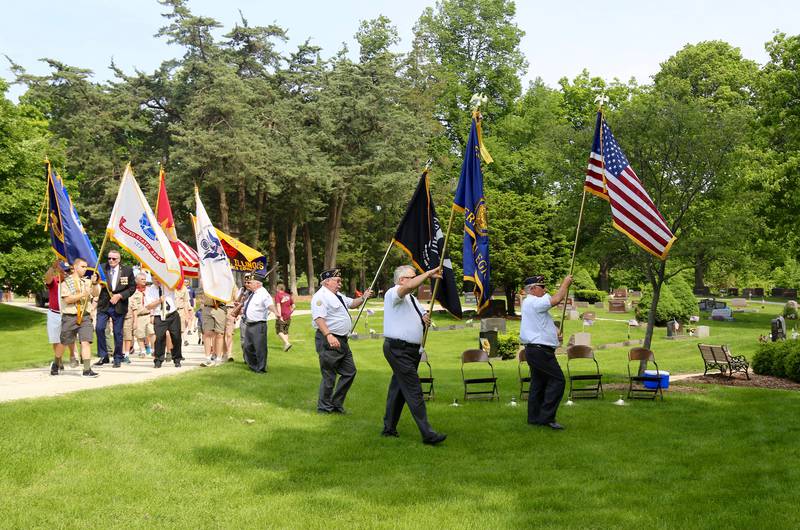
<point>134,227</point>
<point>215,269</point>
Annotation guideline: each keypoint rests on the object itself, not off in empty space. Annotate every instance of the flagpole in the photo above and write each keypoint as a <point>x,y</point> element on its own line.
<point>374,280</point>
<point>599,100</point>
<point>96,263</point>
<point>438,280</point>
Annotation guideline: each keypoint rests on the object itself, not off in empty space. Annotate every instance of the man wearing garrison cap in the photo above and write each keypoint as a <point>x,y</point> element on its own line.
<point>331,318</point>
<point>254,322</point>
<point>538,333</point>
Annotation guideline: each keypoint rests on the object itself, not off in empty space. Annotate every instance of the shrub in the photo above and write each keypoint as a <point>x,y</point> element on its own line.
<point>507,346</point>
<point>589,295</point>
<point>779,359</point>
<point>790,310</point>
<point>677,302</point>
<point>582,280</point>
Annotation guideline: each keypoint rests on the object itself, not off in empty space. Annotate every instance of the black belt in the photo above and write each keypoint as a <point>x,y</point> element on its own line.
<point>250,323</point>
<point>54,311</point>
<point>402,343</point>
<point>542,346</point>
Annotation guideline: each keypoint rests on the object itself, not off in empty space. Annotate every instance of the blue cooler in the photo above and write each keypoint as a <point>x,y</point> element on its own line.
<point>652,384</point>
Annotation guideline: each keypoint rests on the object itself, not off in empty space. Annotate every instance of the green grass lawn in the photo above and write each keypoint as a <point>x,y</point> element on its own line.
<point>227,448</point>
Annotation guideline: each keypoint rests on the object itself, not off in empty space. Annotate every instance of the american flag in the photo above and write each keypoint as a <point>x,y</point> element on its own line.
<point>190,261</point>
<point>611,177</point>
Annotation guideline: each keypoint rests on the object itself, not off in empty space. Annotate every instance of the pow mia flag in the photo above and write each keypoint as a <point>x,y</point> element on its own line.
<point>420,236</point>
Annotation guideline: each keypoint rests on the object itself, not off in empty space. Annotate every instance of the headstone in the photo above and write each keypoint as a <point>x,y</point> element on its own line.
<point>621,293</point>
<point>702,332</point>
<point>589,315</point>
<point>572,314</point>
<point>493,324</point>
<point>702,291</point>
<point>738,303</point>
<point>491,337</point>
<point>790,293</point>
<point>635,294</point>
<point>777,291</point>
<point>733,291</point>
<point>758,291</point>
<point>581,339</point>
<point>469,299</point>
<point>616,306</point>
<point>424,292</point>
<point>496,308</point>
<point>598,305</point>
<point>581,304</point>
<point>724,313</point>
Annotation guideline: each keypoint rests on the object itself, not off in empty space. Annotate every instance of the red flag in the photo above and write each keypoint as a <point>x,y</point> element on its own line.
<point>187,256</point>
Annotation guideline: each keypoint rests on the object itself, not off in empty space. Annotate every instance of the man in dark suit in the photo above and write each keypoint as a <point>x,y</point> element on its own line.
<point>113,304</point>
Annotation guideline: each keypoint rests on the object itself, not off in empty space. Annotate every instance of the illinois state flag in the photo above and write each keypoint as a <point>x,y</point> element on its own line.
<point>215,269</point>
<point>134,227</point>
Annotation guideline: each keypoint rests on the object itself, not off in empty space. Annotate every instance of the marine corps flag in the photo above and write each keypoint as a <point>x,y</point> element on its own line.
<point>187,256</point>
<point>135,228</point>
<point>470,200</point>
<point>215,269</point>
<point>67,236</point>
<point>420,236</point>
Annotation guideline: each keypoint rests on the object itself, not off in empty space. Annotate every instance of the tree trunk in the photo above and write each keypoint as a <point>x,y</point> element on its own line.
<point>656,281</point>
<point>291,242</point>
<point>511,297</point>
<point>332,228</point>
<point>602,277</point>
<point>262,199</point>
<point>312,279</point>
<point>699,271</point>
<point>273,258</point>
<point>223,209</point>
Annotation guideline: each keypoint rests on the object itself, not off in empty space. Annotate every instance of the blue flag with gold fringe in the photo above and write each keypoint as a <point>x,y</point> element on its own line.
<point>469,199</point>
<point>67,236</point>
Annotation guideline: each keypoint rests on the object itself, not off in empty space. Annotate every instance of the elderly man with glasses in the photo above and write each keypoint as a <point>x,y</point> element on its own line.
<point>112,303</point>
<point>539,335</point>
<point>404,323</point>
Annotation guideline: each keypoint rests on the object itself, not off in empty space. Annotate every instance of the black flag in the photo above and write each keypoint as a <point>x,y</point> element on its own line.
<point>420,236</point>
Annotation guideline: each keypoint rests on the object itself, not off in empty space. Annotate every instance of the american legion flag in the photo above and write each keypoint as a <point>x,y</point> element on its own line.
<point>611,177</point>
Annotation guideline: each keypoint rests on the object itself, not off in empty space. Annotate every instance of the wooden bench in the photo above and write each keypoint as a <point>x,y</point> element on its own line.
<point>720,358</point>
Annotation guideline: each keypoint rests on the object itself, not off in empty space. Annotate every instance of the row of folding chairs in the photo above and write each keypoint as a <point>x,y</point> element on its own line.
<point>583,374</point>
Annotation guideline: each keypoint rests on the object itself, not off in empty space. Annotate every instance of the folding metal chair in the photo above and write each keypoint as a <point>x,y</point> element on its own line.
<point>643,386</point>
<point>487,386</point>
<point>524,374</point>
<point>591,383</point>
<point>427,391</point>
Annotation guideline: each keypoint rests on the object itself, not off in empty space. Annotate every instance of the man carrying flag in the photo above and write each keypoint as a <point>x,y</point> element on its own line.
<point>611,177</point>
<point>134,227</point>
<point>469,199</point>
<point>420,236</point>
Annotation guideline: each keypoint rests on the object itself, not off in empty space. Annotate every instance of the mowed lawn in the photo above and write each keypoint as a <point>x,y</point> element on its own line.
<point>227,448</point>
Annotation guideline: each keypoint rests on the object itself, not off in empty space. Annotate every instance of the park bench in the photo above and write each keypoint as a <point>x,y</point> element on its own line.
<point>720,358</point>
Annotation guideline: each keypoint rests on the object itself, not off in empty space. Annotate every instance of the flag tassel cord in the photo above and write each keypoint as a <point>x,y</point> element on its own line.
<point>96,264</point>
<point>372,285</point>
<point>578,228</point>
<point>435,290</point>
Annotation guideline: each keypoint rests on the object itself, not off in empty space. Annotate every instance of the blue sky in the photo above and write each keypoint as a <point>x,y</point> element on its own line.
<point>612,39</point>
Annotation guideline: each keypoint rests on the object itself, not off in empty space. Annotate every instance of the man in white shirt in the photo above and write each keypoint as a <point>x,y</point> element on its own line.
<point>331,318</point>
<point>160,300</point>
<point>255,312</point>
<point>539,335</point>
<point>404,323</point>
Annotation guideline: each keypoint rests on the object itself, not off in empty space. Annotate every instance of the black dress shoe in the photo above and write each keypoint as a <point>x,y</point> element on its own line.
<point>116,364</point>
<point>390,434</point>
<point>177,364</point>
<point>157,364</point>
<point>555,426</point>
<point>437,439</point>
<point>102,361</point>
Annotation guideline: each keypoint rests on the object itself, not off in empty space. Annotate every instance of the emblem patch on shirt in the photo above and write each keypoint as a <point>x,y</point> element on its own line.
<point>123,280</point>
<point>319,302</point>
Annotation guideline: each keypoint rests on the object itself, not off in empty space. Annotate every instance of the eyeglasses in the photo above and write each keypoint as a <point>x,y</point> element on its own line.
<point>112,259</point>
<point>407,277</point>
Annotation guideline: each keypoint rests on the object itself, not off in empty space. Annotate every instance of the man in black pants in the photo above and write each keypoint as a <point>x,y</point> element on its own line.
<point>254,323</point>
<point>538,333</point>
<point>404,323</point>
<point>160,300</point>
